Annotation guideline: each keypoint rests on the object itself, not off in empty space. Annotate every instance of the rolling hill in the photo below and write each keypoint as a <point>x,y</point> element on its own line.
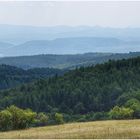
<point>63,61</point>
<point>11,76</point>
<point>85,90</point>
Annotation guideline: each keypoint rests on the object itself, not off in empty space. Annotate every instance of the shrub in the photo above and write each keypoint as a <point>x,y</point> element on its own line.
<point>5,120</point>
<point>135,105</point>
<point>15,118</point>
<point>59,118</point>
<point>42,119</point>
<point>121,113</point>
<point>21,118</point>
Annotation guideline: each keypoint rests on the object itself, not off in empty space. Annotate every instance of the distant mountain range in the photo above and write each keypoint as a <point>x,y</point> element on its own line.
<point>66,46</point>
<point>64,61</point>
<point>28,40</point>
<point>69,46</point>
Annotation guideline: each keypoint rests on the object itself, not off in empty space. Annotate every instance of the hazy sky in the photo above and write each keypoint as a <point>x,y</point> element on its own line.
<point>115,14</point>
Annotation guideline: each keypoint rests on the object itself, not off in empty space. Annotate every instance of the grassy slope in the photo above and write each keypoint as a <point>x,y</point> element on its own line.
<point>97,129</point>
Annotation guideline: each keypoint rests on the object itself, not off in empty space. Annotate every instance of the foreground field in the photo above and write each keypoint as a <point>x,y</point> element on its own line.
<point>97,129</point>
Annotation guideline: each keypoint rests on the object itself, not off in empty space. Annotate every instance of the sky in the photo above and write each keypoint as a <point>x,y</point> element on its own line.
<point>89,13</point>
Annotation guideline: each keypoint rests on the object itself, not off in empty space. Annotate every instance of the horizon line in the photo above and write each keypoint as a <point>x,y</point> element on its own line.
<point>72,26</point>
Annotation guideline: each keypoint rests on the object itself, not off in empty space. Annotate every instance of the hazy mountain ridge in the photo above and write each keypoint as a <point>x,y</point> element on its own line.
<point>30,40</point>
<point>64,46</point>
<point>4,46</point>
<point>74,45</point>
<point>19,34</point>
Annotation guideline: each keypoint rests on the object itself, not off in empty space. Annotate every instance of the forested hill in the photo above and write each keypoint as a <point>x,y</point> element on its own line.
<point>64,61</point>
<point>11,76</point>
<point>92,89</point>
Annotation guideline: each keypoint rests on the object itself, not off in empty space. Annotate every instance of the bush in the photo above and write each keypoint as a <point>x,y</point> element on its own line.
<point>15,118</point>
<point>100,116</point>
<point>135,105</point>
<point>59,118</point>
<point>82,119</point>
<point>21,118</point>
<point>5,120</point>
<point>67,117</point>
<point>121,113</point>
<point>42,119</point>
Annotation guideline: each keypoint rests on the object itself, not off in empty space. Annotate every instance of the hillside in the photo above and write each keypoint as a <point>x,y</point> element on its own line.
<point>91,130</point>
<point>63,61</point>
<point>55,61</point>
<point>86,90</point>
<point>11,76</point>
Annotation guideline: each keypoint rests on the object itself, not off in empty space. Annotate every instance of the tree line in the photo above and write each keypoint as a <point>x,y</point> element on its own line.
<point>83,94</point>
<point>14,118</point>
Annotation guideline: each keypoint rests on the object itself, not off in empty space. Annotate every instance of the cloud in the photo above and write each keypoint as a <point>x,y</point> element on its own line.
<point>51,13</point>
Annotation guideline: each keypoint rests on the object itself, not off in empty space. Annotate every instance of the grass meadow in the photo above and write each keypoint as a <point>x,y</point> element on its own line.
<point>97,129</point>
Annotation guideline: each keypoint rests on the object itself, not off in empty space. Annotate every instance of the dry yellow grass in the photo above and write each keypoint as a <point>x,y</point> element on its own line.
<point>97,129</point>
